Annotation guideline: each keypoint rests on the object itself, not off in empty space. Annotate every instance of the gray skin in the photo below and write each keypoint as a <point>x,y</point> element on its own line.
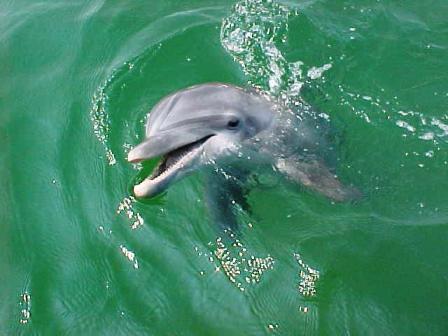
<point>224,126</point>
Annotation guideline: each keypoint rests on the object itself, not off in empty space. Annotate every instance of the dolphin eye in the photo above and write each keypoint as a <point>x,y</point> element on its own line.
<point>233,123</point>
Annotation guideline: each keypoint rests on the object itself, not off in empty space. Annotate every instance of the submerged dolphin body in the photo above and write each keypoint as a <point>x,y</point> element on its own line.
<point>232,128</point>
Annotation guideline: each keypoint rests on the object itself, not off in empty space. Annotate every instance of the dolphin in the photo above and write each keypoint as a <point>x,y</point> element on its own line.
<point>236,129</point>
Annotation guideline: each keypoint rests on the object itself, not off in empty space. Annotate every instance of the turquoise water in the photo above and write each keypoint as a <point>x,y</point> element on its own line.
<point>81,256</point>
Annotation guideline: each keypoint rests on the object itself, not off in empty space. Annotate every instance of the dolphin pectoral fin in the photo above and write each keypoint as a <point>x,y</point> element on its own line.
<point>316,176</point>
<point>225,195</point>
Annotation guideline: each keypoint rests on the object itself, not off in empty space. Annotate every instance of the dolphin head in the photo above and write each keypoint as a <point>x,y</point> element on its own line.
<point>197,125</point>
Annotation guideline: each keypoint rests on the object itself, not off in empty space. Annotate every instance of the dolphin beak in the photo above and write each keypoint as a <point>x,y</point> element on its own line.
<point>141,152</point>
<point>178,150</point>
<point>165,142</point>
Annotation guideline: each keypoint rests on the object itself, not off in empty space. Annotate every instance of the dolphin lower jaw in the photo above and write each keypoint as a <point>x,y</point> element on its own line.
<point>172,167</point>
<point>153,187</point>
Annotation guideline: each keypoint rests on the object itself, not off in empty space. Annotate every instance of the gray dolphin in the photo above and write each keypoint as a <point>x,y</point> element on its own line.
<point>221,125</point>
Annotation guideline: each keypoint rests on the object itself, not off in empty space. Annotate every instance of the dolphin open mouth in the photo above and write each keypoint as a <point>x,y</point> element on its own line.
<point>169,167</point>
<point>175,159</point>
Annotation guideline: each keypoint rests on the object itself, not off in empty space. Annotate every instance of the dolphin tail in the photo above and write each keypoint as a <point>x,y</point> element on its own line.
<point>316,176</point>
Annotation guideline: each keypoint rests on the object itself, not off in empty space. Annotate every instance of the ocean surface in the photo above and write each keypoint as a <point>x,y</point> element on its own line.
<point>81,256</point>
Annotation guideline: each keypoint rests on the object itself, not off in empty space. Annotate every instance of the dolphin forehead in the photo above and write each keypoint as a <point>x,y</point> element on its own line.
<point>209,105</point>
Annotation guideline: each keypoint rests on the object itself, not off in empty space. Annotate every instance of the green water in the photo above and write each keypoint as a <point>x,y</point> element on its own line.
<point>79,256</point>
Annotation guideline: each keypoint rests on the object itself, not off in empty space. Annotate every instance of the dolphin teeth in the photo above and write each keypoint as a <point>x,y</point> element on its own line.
<point>180,162</point>
<point>176,159</point>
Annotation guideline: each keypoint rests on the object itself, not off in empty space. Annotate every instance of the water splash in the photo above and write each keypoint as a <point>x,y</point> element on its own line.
<point>129,255</point>
<point>98,112</point>
<point>317,72</point>
<point>25,308</point>
<point>251,34</point>
<point>308,278</point>
<point>234,260</point>
<point>414,123</point>
<point>100,120</point>
<point>126,207</point>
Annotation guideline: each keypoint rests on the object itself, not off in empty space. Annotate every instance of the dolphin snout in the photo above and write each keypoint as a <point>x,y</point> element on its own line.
<point>133,158</point>
<point>133,155</point>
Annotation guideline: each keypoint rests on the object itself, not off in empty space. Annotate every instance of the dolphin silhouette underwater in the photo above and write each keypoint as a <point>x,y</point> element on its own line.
<point>235,129</point>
